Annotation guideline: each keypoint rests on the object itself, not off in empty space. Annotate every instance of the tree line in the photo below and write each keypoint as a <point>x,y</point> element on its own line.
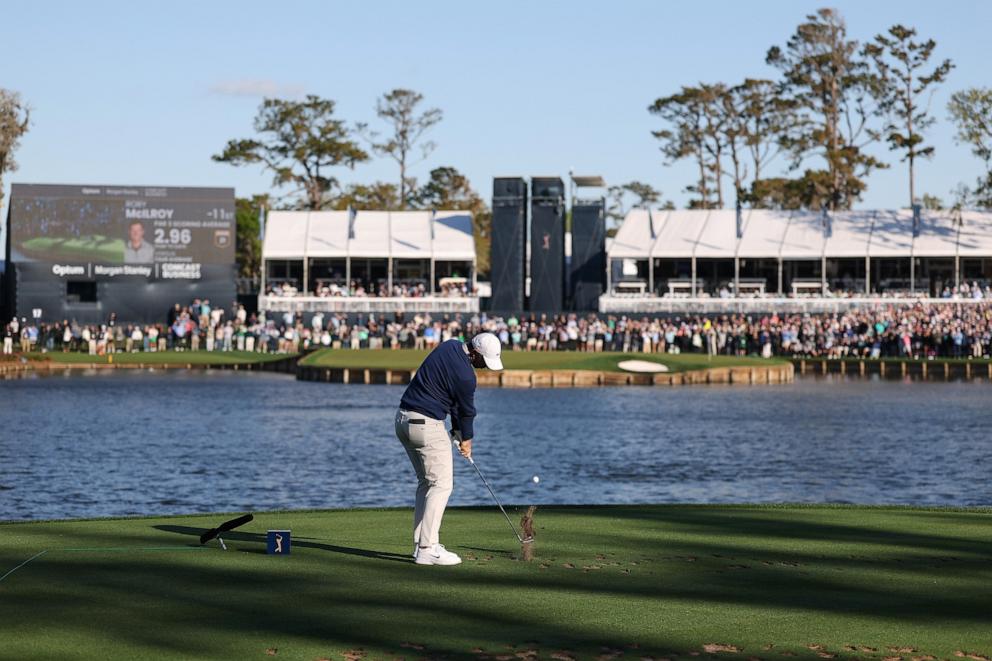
<point>834,99</point>
<point>304,145</point>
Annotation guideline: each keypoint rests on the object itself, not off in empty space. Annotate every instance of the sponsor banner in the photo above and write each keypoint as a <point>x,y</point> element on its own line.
<point>90,271</point>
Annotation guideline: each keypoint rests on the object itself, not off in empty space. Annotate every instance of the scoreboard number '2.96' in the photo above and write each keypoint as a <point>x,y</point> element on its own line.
<point>173,237</point>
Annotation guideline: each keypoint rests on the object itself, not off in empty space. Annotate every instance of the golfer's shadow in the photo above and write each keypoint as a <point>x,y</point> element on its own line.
<point>485,550</point>
<point>297,542</point>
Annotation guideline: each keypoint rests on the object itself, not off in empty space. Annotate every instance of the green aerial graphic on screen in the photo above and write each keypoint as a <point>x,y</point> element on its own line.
<point>93,247</point>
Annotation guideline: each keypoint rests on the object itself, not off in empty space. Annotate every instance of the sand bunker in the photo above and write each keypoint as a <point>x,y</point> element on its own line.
<point>641,366</point>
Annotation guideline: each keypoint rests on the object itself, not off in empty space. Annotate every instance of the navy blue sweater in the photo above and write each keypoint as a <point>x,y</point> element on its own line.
<point>444,385</point>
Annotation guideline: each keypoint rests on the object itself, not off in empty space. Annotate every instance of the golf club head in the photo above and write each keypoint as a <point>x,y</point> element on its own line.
<point>224,527</point>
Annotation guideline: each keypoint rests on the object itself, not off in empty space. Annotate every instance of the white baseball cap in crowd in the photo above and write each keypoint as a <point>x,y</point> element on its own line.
<point>488,346</point>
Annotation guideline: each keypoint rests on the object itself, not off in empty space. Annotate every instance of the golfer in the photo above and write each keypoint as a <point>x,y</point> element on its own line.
<point>444,385</point>
<point>136,249</point>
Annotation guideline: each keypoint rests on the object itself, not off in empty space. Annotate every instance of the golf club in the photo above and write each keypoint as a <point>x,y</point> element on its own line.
<point>482,477</point>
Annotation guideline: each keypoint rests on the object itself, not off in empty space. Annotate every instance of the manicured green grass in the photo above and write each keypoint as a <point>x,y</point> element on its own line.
<point>530,360</point>
<point>161,357</point>
<point>633,582</point>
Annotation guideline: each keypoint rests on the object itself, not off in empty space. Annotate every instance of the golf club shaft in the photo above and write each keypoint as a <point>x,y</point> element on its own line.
<point>493,494</point>
<point>498,504</point>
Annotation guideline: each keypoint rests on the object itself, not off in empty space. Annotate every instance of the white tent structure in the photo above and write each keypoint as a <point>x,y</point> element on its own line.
<point>705,253</point>
<point>304,251</point>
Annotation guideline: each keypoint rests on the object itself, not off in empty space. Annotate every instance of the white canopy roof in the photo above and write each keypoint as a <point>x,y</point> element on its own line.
<point>975,235</point>
<point>369,234</point>
<point>763,234</point>
<point>410,234</point>
<point>800,234</point>
<point>444,235</point>
<point>891,234</point>
<point>635,238</point>
<point>453,236</point>
<point>328,234</point>
<point>938,235</point>
<point>678,233</point>
<point>849,234</point>
<point>285,234</point>
<point>804,236</point>
<point>719,235</point>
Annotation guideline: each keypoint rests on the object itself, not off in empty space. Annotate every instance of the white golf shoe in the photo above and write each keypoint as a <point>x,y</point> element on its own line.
<point>436,555</point>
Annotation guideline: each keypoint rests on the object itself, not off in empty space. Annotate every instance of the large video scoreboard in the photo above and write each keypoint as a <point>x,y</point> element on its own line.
<point>86,251</point>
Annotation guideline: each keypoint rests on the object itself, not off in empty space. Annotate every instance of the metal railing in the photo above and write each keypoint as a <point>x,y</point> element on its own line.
<point>362,304</point>
<point>611,304</point>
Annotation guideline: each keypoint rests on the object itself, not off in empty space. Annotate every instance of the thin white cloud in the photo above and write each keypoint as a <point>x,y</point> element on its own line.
<point>257,87</point>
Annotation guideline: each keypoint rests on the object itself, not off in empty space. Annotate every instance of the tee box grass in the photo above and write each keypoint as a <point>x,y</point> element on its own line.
<point>625,582</point>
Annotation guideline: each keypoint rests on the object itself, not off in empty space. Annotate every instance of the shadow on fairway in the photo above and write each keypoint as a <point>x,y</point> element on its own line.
<point>299,543</point>
<point>485,550</point>
<point>790,525</point>
<point>205,610</point>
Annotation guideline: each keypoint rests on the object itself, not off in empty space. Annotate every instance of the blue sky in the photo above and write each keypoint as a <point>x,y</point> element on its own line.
<point>142,93</point>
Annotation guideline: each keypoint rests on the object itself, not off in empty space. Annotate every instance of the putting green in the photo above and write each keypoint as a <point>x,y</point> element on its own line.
<point>605,361</point>
<point>607,583</point>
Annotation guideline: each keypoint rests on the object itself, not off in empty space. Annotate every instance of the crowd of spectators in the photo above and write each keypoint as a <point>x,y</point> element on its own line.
<point>198,326</point>
<point>923,330</point>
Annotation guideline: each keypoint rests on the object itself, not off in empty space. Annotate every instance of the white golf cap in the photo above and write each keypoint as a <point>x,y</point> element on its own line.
<point>488,346</point>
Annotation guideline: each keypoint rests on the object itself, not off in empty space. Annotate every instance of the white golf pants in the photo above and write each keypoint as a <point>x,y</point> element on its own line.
<point>429,447</point>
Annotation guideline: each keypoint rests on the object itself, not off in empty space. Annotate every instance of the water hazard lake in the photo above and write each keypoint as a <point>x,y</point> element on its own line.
<point>128,442</point>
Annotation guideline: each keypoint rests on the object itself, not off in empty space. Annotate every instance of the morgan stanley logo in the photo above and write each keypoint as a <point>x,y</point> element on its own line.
<point>63,270</point>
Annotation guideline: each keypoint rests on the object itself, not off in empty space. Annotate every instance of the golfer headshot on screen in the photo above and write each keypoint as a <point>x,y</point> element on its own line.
<point>136,249</point>
<point>443,385</point>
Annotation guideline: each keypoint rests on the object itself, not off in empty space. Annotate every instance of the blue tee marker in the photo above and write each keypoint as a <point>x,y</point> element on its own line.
<point>279,542</point>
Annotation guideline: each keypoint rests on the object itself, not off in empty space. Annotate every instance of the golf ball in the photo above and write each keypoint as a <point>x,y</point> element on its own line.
<point>536,479</point>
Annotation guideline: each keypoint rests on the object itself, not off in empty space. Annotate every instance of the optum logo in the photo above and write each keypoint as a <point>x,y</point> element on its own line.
<point>66,269</point>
